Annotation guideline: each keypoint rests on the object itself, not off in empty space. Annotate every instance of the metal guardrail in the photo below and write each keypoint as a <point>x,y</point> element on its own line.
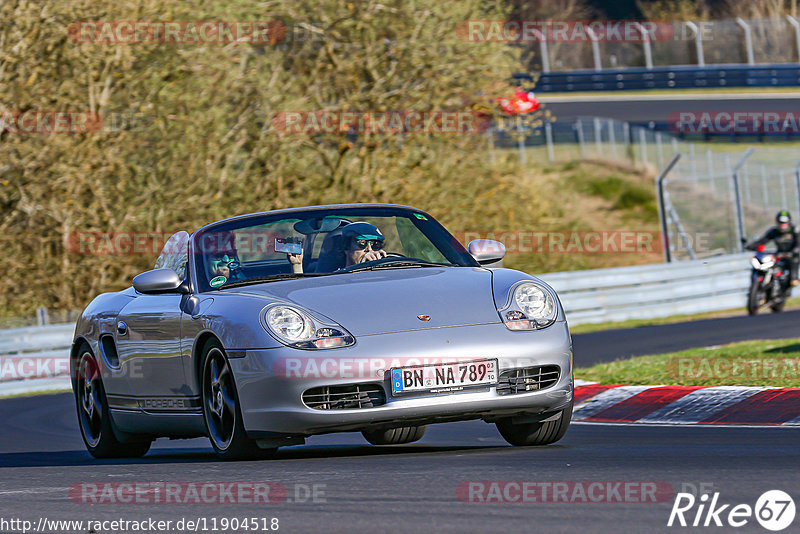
<point>650,291</point>
<point>710,76</point>
<point>35,352</point>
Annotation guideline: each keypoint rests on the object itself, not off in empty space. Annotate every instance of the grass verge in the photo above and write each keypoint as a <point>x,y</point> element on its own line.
<point>772,363</point>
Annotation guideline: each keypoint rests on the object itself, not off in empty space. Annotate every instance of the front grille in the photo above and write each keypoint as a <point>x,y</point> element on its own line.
<point>527,379</point>
<point>348,397</point>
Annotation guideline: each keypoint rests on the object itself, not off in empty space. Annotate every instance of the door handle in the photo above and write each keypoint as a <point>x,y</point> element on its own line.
<point>122,328</point>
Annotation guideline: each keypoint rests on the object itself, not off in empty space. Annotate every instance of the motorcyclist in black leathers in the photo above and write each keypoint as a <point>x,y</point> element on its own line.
<point>785,237</point>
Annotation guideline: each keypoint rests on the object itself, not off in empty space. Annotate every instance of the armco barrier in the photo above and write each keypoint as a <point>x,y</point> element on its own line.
<point>35,358</point>
<point>597,295</point>
<point>709,76</point>
<point>650,291</point>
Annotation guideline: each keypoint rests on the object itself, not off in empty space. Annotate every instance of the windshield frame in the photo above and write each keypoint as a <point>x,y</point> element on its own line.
<point>347,210</point>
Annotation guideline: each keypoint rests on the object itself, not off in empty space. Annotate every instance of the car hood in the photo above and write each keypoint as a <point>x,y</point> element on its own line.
<point>389,300</point>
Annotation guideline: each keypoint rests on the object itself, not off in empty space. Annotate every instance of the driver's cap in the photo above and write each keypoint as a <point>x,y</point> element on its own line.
<point>362,230</point>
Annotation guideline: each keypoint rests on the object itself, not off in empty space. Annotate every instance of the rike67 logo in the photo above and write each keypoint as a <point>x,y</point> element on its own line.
<point>774,510</point>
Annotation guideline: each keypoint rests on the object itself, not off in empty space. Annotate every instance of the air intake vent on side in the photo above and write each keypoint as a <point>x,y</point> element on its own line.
<point>109,350</point>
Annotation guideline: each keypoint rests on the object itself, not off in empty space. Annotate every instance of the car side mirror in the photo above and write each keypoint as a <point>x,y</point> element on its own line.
<point>486,251</point>
<point>158,281</point>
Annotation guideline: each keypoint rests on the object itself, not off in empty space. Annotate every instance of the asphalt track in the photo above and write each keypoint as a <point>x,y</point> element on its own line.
<point>657,108</point>
<point>610,345</point>
<point>414,488</point>
<point>400,489</point>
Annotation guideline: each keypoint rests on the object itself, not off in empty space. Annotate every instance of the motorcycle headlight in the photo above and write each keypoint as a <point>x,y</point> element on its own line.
<point>530,306</point>
<point>297,328</point>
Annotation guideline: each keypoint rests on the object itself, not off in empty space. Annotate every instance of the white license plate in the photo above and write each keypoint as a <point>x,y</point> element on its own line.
<point>444,377</point>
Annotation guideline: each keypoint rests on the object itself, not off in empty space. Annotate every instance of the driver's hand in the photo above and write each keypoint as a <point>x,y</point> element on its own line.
<point>373,255</point>
<point>297,262</point>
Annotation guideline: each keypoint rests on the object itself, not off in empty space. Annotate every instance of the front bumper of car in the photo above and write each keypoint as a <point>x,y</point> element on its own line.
<point>271,382</point>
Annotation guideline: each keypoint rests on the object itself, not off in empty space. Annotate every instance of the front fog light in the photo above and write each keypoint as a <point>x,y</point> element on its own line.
<point>516,320</point>
<point>329,338</point>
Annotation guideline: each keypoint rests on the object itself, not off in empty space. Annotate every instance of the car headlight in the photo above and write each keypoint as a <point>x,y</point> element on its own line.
<point>530,306</point>
<point>297,328</point>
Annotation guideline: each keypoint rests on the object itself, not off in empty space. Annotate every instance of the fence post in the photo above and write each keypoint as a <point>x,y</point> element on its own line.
<point>764,192</point>
<point>698,43</point>
<point>738,198</point>
<point>648,53</point>
<point>612,137</point>
<point>42,318</point>
<point>797,185</point>
<point>598,133</point>
<point>662,210</point>
<point>548,135</point>
<point>796,26</point>
<point>579,132</point>
<point>595,47</point>
<point>543,50</point>
<point>643,145</point>
<point>679,227</point>
<point>748,40</point>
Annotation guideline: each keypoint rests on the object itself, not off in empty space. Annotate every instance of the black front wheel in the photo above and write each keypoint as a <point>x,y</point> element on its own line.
<point>755,298</point>
<point>221,410</point>
<point>778,306</point>
<point>93,416</point>
<point>541,433</point>
<point>395,436</point>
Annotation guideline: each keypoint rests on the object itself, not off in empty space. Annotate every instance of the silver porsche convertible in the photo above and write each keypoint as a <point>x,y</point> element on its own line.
<point>261,330</point>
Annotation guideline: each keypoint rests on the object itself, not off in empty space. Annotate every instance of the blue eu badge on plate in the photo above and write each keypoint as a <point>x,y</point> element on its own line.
<point>397,379</point>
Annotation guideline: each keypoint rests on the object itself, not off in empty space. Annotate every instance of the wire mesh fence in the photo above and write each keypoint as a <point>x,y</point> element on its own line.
<point>714,42</point>
<point>700,200</point>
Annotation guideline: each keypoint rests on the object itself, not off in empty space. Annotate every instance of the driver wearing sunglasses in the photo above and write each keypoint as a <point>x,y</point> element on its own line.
<point>362,242</point>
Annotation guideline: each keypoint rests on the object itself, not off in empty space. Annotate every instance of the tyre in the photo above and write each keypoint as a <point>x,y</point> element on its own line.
<point>93,415</point>
<point>221,411</point>
<point>779,306</point>
<point>542,433</point>
<point>395,436</point>
<point>754,299</point>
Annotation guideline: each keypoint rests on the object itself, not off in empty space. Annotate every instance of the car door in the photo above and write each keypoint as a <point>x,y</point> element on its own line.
<point>148,336</point>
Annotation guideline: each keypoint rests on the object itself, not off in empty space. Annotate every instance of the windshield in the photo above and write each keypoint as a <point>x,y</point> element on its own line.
<point>322,242</point>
